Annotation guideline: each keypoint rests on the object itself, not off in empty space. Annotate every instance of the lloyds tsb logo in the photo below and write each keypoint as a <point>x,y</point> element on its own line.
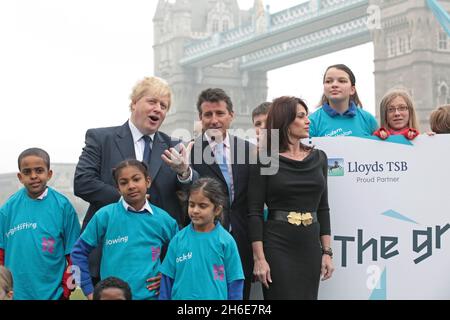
<point>335,167</point>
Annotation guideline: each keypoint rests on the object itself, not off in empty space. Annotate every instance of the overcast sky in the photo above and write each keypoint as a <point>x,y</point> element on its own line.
<point>69,65</point>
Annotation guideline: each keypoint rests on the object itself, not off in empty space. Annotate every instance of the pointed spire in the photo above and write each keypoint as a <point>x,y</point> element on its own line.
<point>159,12</point>
<point>259,16</point>
<point>182,5</point>
<point>258,7</point>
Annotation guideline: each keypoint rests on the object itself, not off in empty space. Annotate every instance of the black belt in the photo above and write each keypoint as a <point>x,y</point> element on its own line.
<point>293,217</point>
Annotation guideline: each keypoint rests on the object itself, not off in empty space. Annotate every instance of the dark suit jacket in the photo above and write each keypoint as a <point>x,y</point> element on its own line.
<point>237,214</point>
<point>105,148</point>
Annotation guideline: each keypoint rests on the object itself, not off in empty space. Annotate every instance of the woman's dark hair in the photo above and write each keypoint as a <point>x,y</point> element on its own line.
<point>213,190</point>
<point>112,282</point>
<point>141,166</point>
<point>281,114</point>
<point>351,75</point>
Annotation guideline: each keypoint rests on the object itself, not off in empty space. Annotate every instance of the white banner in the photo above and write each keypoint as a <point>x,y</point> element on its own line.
<point>390,218</point>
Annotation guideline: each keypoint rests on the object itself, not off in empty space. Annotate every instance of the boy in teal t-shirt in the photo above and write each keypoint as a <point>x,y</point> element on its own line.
<point>38,227</point>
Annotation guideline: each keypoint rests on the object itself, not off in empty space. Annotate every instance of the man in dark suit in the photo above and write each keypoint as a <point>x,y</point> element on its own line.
<point>139,139</point>
<point>231,168</point>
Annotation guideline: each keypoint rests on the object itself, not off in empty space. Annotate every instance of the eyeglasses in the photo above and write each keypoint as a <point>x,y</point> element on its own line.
<point>399,109</point>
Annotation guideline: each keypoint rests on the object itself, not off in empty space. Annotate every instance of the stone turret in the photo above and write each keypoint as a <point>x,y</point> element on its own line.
<point>179,23</point>
<point>412,51</point>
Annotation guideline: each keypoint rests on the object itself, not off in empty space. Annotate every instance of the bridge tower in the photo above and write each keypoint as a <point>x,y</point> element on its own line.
<point>178,23</point>
<point>412,50</point>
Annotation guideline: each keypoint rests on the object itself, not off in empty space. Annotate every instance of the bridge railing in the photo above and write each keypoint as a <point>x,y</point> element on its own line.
<point>291,15</point>
<point>285,18</point>
<point>233,36</point>
<point>309,10</point>
<point>306,43</point>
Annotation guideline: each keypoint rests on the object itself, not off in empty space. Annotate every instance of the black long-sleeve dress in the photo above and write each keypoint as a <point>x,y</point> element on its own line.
<point>293,252</point>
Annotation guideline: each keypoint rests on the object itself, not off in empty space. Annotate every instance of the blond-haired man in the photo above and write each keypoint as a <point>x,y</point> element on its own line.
<point>138,138</point>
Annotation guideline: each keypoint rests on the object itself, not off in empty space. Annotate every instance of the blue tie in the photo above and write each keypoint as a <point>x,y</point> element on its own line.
<point>223,166</point>
<point>222,162</point>
<point>147,151</point>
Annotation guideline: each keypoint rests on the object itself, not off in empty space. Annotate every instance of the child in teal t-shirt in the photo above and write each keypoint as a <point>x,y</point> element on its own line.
<point>341,112</point>
<point>202,262</point>
<point>132,232</point>
<point>38,227</point>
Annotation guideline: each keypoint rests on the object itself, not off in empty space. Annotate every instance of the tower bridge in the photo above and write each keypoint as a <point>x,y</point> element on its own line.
<point>212,43</point>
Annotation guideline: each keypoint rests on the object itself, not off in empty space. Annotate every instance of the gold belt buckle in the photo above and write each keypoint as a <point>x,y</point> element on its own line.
<point>299,218</point>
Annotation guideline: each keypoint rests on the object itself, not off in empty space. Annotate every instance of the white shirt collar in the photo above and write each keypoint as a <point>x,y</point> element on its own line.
<point>145,207</point>
<point>137,135</point>
<point>43,195</point>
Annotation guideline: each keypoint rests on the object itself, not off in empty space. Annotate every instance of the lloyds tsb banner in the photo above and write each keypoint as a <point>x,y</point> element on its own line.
<point>390,217</point>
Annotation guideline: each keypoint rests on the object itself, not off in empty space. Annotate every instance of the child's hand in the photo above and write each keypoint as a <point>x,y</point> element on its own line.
<point>412,133</point>
<point>381,133</point>
<point>155,283</point>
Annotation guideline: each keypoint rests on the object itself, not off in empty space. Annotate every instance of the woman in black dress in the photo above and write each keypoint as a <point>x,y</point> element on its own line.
<point>291,250</point>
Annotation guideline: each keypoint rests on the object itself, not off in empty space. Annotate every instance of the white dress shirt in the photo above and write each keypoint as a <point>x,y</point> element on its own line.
<point>130,208</point>
<point>139,143</point>
<point>139,146</point>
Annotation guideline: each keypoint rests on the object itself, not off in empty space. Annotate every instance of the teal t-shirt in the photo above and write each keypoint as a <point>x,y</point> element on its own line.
<point>36,236</point>
<point>132,244</point>
<point>357,122</point>
<point>202,264</point>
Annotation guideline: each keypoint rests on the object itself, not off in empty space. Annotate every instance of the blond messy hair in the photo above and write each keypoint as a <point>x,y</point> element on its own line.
<point>153,86</point>
<point>440,119</point>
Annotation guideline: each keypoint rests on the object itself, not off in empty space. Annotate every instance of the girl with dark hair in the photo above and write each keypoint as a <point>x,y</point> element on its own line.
<point>202,261</point>
<point>133,232</point>
<point>291,250</point>
<point>341,113</point>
